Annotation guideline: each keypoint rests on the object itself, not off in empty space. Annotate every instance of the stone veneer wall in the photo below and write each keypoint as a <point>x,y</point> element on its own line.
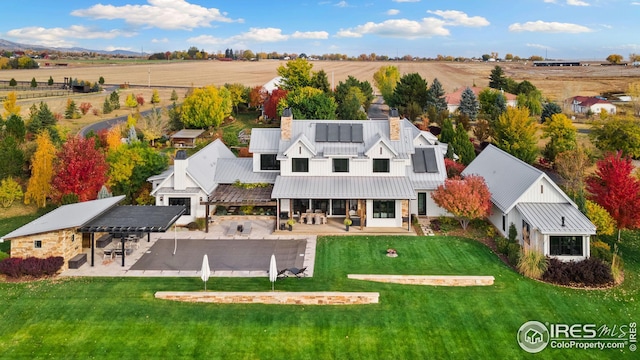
<point>435,280</point>
<point>281,298</point>
<point>394,128</point>
<point>65,243</point>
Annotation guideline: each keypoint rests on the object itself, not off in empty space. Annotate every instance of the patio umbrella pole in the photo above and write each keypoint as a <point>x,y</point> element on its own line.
<point>175,239</point>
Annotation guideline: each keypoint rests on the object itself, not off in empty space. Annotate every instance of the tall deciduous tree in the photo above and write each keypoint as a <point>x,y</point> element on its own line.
<point>80,170</point>
<point>615,188</point>
<point>492,104</point>
<point>561,134</point>
<point>469,104</point>
<point>257,96</point>
<point>385,79</point>
<point>131,101</point>
<point>309,103</point>
<point>10,191</point>
<point>153,125</point>
<point>238,94</point>
<point>617,134</point>
<point>10,105</point>
<point>515,133</point>
<point>466,199</point>
<point>42,165</point>
<point>615,58</point>
<point>571,166</point>
<point>130,165</point>
<point>599,216</point>
<point>206,107</point>
<point>295,74</point>
<point>271,104</point>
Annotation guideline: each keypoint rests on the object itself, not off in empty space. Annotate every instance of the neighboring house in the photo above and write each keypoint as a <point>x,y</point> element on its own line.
<point>190,181</point>
<point>545,217</point>
<point>453,99</point>
<point>584,104</point>
<point>382,170</point>
<point>272,84</point>
<point>185,138</point>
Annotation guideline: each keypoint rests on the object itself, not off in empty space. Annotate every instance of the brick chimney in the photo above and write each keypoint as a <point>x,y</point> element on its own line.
<point>180,164</point>
<point>394,124</point>
<point>286,121</point>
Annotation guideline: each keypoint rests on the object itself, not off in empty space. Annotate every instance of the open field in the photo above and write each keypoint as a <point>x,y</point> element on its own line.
<point>117,318</point>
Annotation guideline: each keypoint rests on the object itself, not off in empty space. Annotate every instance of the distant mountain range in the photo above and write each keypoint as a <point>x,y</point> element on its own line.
<point>12,46</point>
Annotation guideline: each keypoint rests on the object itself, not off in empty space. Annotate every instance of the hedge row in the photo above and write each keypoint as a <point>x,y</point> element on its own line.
<point>589,272</point>
<point>31,266</point>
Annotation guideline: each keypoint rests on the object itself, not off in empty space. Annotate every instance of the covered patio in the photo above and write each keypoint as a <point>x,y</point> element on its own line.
<point>123,221</point>
<point>233,196</point>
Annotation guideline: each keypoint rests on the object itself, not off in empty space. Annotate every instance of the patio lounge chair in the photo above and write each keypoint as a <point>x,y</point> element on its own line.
<point>246,229</point>
<point>299,273</point>
<point>233,228</point>
<point>283,273</point>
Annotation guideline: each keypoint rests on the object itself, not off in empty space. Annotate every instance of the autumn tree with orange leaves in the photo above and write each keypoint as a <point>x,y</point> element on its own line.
<point>42,162</point>
<point>467,199</point>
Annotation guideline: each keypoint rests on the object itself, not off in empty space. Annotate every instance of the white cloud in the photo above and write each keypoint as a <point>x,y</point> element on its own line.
<point>342,4</point>
<point>163,14</point>
<point>550,1</point>
<point>635,3</point>
<point>406,1</point>
<point>59,37</point>
<point>206,40</point>
<point>163,40</point>
<point>411,29</point>
<point>548,27</point>
<point>393,12</point>
<point>537,46</point>
<point>261,35</point>
<point>113,48</point>
<point>458,18</point>
<point>577,3</point>
<point>310,35</point>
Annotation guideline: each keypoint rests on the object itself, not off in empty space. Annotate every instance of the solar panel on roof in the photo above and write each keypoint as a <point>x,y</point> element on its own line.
<point>356,133</point>
<point>418,162</point>
<point>333,134</point>
<point>321,132</point>
<point>345,132</point>
<point>430,160</point>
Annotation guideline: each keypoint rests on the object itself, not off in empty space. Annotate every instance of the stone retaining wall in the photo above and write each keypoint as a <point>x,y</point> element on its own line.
<point>282,298</point>
<point>435,280</point>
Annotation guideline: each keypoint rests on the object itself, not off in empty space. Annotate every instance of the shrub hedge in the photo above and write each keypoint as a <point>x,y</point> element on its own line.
<point>31,266</point>
<point>589,272</point>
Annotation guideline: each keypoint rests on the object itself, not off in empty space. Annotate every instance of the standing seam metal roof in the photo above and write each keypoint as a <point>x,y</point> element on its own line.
<point>547,217</point>
<point>343,187</point>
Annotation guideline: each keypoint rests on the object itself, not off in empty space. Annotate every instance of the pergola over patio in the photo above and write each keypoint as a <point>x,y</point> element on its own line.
<point>232,195</point>
<point>132,219</point>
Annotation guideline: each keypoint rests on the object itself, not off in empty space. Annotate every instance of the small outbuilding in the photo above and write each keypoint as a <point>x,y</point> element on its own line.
<point>186,138</point>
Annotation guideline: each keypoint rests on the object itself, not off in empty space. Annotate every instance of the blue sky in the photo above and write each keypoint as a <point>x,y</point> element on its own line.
<point>569,29</point>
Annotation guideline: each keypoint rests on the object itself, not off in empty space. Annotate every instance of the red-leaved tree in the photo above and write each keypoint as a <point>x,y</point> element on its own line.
<point>614,187</point>
<point>454,169</point>
<point>271,104</point>
<point>466,199</point>
<point>80,169</point>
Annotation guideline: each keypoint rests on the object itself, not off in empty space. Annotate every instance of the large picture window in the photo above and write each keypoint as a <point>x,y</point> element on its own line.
<point>182,201</point>
<point>300,165</point>
<point>380,165</point>
<point>269,162</point>
<point>566,245</point>
<point>340,165</point>
<point>384,209</point>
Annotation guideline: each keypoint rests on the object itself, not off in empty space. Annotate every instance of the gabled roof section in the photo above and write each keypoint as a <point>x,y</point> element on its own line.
<point>241,169</point>
<point>381,140</point>
<point>507,177</point>
<point>556,218</point>
<point>429,137</point>
<point>302,139</point>
<point>202,165</point>
<point>66,216</point>
<point>264,141</point>
<point>187,134</point>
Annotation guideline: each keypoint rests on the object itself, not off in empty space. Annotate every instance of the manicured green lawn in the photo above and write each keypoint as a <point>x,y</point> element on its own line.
<point>119,317</point>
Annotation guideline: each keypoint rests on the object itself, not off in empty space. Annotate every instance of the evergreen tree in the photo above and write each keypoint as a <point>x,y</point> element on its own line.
<point>469,104</point>
<point>549,109</point>
<point>174,95</point>
<point>435,96</point>
<point>50,82</point>
<point>462,146</point>
<point>497,80</point>
<point>34,83</point>
<point>13,82</point>
<point>106,107</point>
<point>101,80</point>
<point>114,98</point>
<point>411,88</point>
<point>320,81</point>
<point>448,133</point>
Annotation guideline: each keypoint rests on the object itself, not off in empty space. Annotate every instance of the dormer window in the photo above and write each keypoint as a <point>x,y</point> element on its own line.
<point>300,165</point>
<point>340,165</point>
<point>381,166</point>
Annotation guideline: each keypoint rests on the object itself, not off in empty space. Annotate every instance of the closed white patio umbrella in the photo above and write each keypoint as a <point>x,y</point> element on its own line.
<point>206,271</point>
<point>273,271</point>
